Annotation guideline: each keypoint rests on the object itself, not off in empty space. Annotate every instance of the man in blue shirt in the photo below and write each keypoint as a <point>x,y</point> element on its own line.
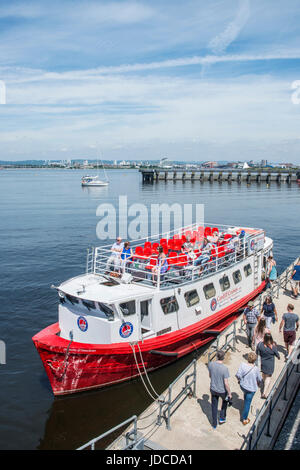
<point>295,280</point>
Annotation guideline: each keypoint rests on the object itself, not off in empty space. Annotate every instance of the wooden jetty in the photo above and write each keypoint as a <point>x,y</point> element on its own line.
<point>182,419</point>
<point>221,175</point>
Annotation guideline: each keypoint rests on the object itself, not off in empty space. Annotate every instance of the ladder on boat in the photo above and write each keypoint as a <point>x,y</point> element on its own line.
<point>256,270</point>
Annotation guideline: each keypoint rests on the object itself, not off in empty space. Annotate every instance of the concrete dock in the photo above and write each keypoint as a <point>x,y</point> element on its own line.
<point>191,422</point>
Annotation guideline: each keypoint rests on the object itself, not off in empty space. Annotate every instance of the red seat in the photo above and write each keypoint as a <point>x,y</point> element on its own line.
<point>166,249</point>
<point>182,260</point>
<point>183,239</point>
<point>207,232</point>
<point>147,245</point>
<point>213,253</point>
<point>221,251</point>
<point>177,245</point>
<point>163,241</point>
<point>227,236</point>
<point>215,229</point>
<point>155,246</point>
<point>139,250</point>
<point>153,262</point>
<point>173,254</point>
<point>147,251</point>
<point>170,244</point>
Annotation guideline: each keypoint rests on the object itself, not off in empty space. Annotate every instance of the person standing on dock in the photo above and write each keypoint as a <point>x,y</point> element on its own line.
<point>219,388</point>
<point>250,317</point>
<point>290,324</point>
<point>295,280</point>
<point>249,379</point>
<point>267,350</point>
<point>269,311</point>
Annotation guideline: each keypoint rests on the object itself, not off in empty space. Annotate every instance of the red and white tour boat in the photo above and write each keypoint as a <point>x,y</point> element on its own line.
<point>113,324</point>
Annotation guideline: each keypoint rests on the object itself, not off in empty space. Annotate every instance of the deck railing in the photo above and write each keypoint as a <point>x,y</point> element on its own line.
<point>181,269</point>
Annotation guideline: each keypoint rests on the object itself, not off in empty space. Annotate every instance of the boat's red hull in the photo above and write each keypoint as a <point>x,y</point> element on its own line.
<point>73,367</point>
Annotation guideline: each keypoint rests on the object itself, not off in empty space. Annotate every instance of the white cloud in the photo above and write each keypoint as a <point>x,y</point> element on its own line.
<point>220,43</point>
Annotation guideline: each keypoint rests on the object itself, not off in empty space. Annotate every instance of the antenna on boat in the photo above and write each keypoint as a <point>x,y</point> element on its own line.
<point>101,163</point>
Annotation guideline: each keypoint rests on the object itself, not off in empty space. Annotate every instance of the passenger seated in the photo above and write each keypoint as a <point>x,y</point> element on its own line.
<point>205,255</point>
<point>188,249</point>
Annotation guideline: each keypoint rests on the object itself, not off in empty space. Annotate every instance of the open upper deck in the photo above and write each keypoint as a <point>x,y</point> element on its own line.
<point>183,262</point>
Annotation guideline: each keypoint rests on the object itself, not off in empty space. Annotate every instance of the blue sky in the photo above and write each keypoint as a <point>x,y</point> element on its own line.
<point>192,80</point>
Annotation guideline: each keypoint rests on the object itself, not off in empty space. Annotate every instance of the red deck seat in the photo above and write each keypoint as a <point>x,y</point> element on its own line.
<point>147,245</point>
<point>153,262</point>
<point>182,260</point>
<point>163,241</point>
<point>170,244</point>
<point>207,231</point>
<point>173,254</point>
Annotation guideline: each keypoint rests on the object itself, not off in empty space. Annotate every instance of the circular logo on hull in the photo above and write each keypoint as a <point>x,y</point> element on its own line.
<point>213,305</point>
<point>82,323</point>
<point>126,329</point>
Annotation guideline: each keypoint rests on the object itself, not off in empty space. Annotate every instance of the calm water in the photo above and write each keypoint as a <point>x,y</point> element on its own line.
<point>47,222</point>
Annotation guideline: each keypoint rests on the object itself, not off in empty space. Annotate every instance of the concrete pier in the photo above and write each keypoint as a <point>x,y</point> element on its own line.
<point>220,175</point>
<point>190,420</point>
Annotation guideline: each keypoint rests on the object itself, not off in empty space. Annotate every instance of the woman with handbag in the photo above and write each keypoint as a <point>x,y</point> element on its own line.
<point>269,311</point>
<point>267,350</point>
<point>249,379</point>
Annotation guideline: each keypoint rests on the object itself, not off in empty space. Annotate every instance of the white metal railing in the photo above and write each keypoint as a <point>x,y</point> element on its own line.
<point>181,271</point>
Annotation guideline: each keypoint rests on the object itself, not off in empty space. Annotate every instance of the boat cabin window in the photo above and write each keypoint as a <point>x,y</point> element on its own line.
<point>209,291</point>
<point>224,282</point>
<point>128,308</point>
<point>191,298</point>
<point>106,310</point>
<point>247,270</point>
<point>72,299</point>
<point>237,277</point>
<point>89,304</point>
<point>169,305</point>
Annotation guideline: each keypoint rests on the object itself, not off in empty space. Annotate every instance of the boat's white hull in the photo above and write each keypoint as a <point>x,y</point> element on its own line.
<point>102,183</point>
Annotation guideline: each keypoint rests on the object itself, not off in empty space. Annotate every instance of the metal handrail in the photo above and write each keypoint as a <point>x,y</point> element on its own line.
<point>180,275</point>
<point>215,345</point>
<point>270,403</point>
<point>189,389</point>
<point>129,444</point>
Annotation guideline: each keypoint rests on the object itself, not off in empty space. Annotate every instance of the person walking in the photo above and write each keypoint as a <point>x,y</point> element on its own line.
<point>250,317</point>
<point>259,332</point>
<point>290,324</point>
<point>295,280</point>
<point>269,311</point>
<point>219,388</point>
<point>271,269</point>
<point>249,379</point>
<point>267,350</point>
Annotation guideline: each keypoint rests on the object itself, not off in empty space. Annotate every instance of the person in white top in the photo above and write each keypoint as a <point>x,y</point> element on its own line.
<point>115,257</point>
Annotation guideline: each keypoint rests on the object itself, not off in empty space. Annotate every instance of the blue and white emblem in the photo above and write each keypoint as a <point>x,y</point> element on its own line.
<point>82,323</point>
<point>213,304</point>
<point>126,329</point>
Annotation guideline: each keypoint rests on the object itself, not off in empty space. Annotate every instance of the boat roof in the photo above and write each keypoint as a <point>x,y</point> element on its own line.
<point>99,289</point>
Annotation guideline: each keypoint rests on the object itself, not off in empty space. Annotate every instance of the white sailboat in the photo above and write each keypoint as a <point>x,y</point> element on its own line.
<point>94,180</point>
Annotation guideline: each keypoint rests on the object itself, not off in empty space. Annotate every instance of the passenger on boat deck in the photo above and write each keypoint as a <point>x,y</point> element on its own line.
<point>126,256</point>
<point>206,253</point>
<point>162,263</point>
<point>214,238</point>
<point>115,257</point>
<point>188,249</point>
